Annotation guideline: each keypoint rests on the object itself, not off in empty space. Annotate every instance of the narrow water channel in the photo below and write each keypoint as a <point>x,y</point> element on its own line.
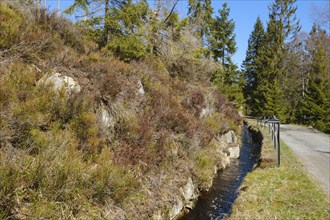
<point>217,202</point>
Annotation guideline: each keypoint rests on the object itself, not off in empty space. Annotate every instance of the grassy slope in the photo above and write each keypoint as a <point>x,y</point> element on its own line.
<point>58,162</point>
<point>280,193</point>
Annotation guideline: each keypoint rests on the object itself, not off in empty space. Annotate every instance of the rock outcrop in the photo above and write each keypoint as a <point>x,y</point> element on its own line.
<point>208,109</point>
<point>58,82</point>
<point>227,146</point>
<point>105,118</point>
<point>233,151</point>
<point>232,147</point>
<point>190,193</point>
<point>140,88</point>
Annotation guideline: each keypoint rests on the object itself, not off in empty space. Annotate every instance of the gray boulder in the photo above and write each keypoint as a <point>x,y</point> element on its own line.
<point>141,89</point>
<point>105,117</point>
<point>58,82</point>
<point>229,137</point>
<point>233,151</point>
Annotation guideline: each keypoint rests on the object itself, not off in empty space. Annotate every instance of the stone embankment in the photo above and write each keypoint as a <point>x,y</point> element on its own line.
<point>229,148</point>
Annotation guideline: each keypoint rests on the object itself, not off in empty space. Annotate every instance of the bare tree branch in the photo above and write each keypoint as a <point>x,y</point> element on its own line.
<point>171,12</point>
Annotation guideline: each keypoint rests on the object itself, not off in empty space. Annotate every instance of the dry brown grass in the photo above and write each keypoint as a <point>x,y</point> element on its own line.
<point>55,159</point>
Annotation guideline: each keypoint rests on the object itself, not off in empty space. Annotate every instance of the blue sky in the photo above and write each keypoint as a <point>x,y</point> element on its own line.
<point>244,13</point>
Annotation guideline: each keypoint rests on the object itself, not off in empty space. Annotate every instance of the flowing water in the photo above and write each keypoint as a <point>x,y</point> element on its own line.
<point>217,202</point>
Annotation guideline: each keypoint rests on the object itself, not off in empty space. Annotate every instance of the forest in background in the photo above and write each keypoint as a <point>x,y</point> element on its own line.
<point>160,82</point>
<point>285,72</point>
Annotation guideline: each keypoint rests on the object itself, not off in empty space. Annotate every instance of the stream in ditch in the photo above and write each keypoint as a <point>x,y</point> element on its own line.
<point>217,202</point>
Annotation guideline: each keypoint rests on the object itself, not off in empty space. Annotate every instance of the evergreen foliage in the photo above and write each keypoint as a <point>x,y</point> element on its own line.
<point>270,73</point>
<point>316,101</point>
<point>276,73</point>
<point>266,95</point>
<point>223,46</point>
<point>120,28</point>
<point>283,13</point>
<point>132,30</point>
<point>200,16</point>
<point>287,74</point>
<point>250,67</point>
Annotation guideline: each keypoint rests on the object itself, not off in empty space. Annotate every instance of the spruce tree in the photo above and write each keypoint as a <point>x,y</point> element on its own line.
<point>200,16</point>
<point>267,69</point>
<point>126,29</point>
<point>272,66</point>
<point>296,62</point>
<point>250,67</point>
<point>283,13</point>
<point>316,102</point>
<point>223,44</point>
<point>119,27</point>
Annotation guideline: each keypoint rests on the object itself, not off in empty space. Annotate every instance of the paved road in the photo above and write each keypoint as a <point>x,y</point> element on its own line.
<point>312,148</point>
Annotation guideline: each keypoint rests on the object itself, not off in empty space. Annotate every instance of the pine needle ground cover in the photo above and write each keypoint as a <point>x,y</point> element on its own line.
<point>287,192</point>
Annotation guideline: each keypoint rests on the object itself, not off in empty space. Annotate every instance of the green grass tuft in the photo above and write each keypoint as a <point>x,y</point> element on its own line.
<point>286,192</point>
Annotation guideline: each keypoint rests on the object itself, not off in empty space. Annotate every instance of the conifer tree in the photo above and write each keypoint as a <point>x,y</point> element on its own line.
<point>250,67</point>
<point>296,62</point>
<point>274,70</point>
<point>267,69</point>
<point>283,14</point>
<point>119,27</point>
<point>316,102</point>
<point>200,15</point>
<point>126,29</point>
<point>223,44</point>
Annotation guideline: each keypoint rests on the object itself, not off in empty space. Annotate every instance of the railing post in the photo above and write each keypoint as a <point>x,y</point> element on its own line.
<point>274,127</point>
<point>278,145</point>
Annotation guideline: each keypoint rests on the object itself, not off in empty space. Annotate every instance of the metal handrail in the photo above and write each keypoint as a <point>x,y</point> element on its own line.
<point>273,124</point>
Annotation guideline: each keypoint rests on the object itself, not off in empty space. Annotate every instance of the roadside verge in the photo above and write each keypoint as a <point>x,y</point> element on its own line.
<point>286,192</point>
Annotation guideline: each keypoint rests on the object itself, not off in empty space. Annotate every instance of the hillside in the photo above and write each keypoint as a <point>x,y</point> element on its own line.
<point>86,135</point>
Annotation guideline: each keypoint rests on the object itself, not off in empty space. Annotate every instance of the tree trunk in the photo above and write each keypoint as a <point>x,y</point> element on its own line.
<point>106,25</point>
<point>59,7</point>
<point>223,58</point>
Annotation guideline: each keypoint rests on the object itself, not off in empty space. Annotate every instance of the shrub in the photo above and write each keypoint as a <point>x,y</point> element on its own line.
<point>215,121</point>
<point>25,128</point>
<point>203,169</point>
<point>54,160</point>
<point>10,23</point>
<point>51,22</point>
<point>194,102</point>
<point>127,48</point>
<point>184,59</point>
<point>87,131</point>
<point>110,180</point>
<point>167,112</point>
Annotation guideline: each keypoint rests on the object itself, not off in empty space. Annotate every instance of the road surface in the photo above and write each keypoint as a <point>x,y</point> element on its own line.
<point>312,148</point>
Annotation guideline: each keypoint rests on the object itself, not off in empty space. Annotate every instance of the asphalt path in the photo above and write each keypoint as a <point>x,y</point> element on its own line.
<point>312,148</point>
